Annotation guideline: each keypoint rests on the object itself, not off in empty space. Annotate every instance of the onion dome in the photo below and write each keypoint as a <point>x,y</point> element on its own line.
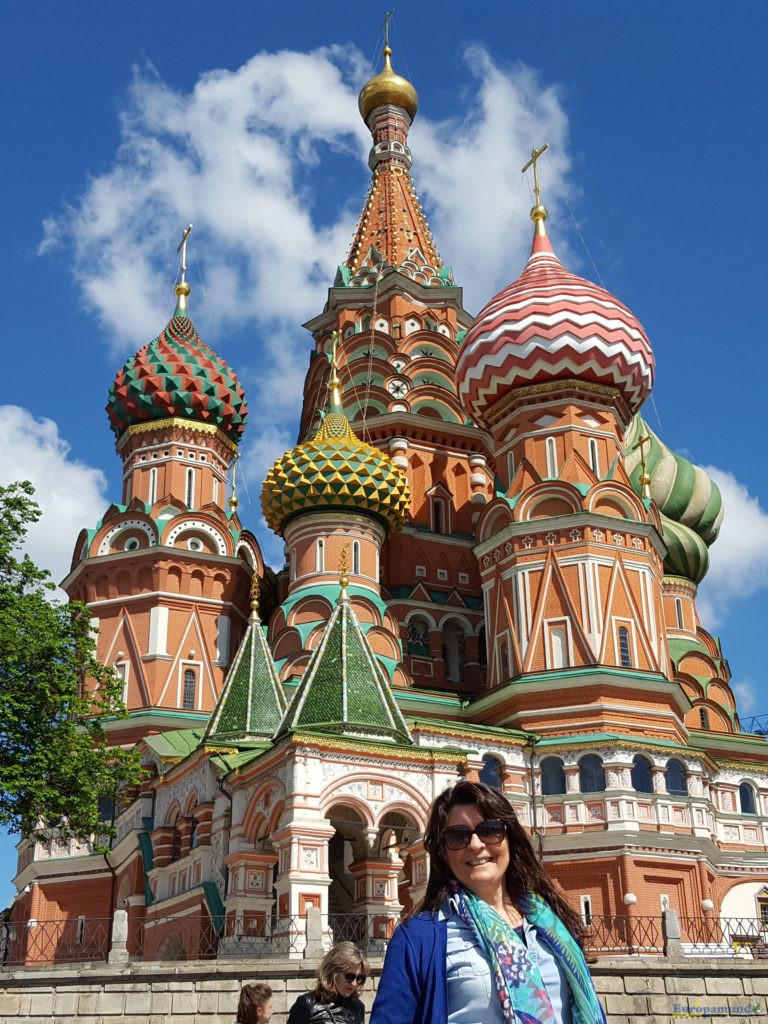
<point>335,470</point>
<point>387,88</point>
<point>551,325</point>
<point>689,502</point>
<point>178,376</point>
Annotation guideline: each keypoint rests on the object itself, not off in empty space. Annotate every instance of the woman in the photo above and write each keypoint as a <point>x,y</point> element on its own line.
<point>255,1005</point>
<point>334,999</point>
<point>493,940</point>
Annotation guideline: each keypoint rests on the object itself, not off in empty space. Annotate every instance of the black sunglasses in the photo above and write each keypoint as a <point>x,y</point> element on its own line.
<point>490,833</point>
<point>349,977</point>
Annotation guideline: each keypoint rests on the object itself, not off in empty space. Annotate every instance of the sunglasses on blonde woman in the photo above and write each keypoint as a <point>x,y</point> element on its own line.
<point>349,977</point>
<point>490,833</point>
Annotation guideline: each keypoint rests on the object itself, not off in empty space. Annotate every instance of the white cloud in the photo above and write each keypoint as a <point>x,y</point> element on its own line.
<point>739,557</point>
<point>746,698</point>
<point>241,155</point>
<point>70,494</point>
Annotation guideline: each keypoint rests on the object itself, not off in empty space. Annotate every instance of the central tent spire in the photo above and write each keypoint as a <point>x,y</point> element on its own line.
<point>393,231</point>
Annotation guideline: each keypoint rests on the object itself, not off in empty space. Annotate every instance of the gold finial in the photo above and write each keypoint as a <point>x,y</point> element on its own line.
<point>539,212</point>
<point>335,383</point>
<point>255,595</point>
<point>343,572</point>
<point>182,288</point>
<point>645,480</point>
<point>233,502</point>
<point>387,47</point>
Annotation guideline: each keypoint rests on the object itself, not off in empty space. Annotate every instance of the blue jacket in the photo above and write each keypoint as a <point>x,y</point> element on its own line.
<point>413,988</point>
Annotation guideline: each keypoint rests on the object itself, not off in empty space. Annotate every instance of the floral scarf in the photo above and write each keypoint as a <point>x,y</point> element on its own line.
<point>524,998</point>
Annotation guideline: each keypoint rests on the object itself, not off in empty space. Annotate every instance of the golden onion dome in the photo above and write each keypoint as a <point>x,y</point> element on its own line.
<point>388,88</point>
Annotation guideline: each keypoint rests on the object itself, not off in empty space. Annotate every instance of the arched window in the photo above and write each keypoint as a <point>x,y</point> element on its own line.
<point>454,652</point>
<point>176,842</point>
<point>552,776</point>
<point>594,460</point>
<point>418,637</point>
<point>679,612</point>
<point>152,485</point>
<point>511,466</point>
<point>320,556</point>
<point>293,564</point>
<point>503,660</point>
<point>356,557</point>
<point>676,778</point>
<point>591,774</point>
<point>438,515</point>
<point>365,323</point>
<point>190,488</point>
<point>642,775</point>
<point>491,774</point>
<point>193,836</point>
<point>704,718</point>
<point>551,457</point>
<point>215,491</point>
<point>625,655</point>
<point>747,799</point>
<point>482,647</point>
<point>188,700</point>
<point>558,639</point>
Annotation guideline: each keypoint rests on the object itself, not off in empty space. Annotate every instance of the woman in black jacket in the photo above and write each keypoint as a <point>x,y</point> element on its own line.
<point>334,999</point>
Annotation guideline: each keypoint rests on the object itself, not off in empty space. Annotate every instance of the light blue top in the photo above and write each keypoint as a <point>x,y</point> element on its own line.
<point>472,996</point>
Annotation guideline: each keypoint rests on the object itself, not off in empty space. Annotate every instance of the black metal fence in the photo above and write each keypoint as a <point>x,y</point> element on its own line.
<point>201,937</point>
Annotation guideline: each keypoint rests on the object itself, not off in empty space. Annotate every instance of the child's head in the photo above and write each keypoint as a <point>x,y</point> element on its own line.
<point>255,1006</point>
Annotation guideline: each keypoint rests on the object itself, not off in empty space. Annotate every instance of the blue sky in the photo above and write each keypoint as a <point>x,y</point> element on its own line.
<point>123,123</point>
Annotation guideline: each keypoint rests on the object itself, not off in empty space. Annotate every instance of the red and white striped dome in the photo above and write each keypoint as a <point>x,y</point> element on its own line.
<point>549,325</point>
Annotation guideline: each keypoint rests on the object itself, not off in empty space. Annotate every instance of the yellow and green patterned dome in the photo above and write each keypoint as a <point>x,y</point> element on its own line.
<point>336,470</point>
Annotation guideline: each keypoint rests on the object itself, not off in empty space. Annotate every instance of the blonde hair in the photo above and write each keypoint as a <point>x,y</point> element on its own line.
<point>342,958</point>
<point>251,998</point>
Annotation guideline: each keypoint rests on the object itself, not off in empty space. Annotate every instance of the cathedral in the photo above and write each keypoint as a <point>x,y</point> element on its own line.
<point>491,568</point>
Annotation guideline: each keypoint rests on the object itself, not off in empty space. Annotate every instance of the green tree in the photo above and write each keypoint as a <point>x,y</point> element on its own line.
<point>55,763</point>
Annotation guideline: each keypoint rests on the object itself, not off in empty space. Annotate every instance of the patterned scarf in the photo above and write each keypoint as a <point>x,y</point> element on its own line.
<point>518,980</point>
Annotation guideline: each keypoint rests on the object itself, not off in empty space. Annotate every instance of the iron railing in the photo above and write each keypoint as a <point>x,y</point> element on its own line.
<point>622,935</point>
<point>744,937</point>
<point>43,943</point>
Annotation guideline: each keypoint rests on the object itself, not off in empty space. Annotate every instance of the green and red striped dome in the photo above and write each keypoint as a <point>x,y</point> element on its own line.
<point>177,375</point>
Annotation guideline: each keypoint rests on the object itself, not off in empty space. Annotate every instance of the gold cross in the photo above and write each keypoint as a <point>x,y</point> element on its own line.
<point>385,26</point>
<point>533,162</point>
<point>344,570</point>
<point>183,250</point>
<point>255,594</point>
<point>645,480</point>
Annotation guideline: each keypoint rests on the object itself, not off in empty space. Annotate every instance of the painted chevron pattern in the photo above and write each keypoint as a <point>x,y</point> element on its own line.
<point>550,324</point>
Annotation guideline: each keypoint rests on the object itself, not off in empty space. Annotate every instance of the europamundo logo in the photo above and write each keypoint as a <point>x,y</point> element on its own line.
<point>699,1011</point>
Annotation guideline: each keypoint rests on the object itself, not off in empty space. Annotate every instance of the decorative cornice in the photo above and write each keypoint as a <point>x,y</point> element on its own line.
<point>555,389</point>
<point>174,422</point>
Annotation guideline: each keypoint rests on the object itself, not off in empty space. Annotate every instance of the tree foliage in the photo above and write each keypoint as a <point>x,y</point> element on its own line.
<point>55,763</point>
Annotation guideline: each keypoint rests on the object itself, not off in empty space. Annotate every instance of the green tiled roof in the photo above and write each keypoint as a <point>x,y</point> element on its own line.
<point>345,689</point>
<point>252,703</point>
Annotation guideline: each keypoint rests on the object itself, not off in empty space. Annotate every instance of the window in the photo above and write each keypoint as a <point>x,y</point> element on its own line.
<point>195,544</point>
<point>442,575</point>
<point>594,462</point>
<point>80,934</point>
<point>421,571</point>
<point>625,656</point>
<point>504,659</point>
<point>365,323</point>
<point>418,637</point>
<point>676,778</point>
<point>558,642</point>
<point>454,653</point>
<point>591,774</point>
<point>131,544</point>
<point>552,777</point>
<point>491,773</point>
<point>511,466</point>
<point>642,775</point>
<point>193,836</point>
<point>188,701</point>
<point>586,910</point>
<point>356,557</point>
<point>762,906</point>
<point>190,488</point>
<point>679,613</point>
<point>463,577</point>
<point>293,563</point>
<point>704,718</point>
<point>121,671</point>
<point>438,515</point>
<point>175,843</point>
<point>152,485</point>
<point>215,491</point>
<point>551,457</point>
<point>320,556</point>
<point>747,799</point>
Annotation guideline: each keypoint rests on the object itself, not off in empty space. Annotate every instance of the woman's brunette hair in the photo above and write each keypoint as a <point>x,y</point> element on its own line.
<point>342,958</point>
<point>251,998</point>
<point>524,874</point>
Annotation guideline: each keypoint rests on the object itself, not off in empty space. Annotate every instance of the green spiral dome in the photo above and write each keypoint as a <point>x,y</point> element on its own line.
<point>689,502</point>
